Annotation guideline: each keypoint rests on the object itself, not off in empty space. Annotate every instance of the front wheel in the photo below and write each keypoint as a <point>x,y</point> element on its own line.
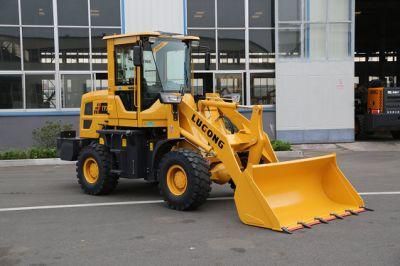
<point>184,179</point>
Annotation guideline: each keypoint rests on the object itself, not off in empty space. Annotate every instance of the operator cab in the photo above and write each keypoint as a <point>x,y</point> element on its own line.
<point>148,74</point>
<point>161,59</point>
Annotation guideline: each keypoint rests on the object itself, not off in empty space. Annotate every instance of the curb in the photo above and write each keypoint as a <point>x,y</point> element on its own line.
<point>33,162</point>
<point>57,161</point>
<point>289,154</point>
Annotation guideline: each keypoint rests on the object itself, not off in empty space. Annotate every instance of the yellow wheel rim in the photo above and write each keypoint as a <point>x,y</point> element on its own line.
<point>91,170</point>
<point>176,180</point>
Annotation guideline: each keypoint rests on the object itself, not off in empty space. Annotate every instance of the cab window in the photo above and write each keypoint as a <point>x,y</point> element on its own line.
<point>124,66</point>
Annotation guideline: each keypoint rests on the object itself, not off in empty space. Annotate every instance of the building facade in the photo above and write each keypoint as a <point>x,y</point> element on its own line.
<point>294,57</point>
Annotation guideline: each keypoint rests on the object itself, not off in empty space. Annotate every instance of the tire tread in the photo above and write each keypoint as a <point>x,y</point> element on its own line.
<point>109,182</point>
<point>201,180</point>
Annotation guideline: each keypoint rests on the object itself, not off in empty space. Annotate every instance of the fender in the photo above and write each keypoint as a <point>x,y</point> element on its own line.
<point>161,147</point>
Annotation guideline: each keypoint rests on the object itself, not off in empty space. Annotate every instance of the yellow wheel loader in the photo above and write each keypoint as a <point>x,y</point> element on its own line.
<point>148,125</point>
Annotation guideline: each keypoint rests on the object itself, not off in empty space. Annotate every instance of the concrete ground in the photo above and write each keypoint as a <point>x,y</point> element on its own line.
<point>147,233</point>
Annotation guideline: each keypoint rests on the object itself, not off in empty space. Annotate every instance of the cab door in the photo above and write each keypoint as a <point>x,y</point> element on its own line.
<point>123,84</point>
<point>151,112</point>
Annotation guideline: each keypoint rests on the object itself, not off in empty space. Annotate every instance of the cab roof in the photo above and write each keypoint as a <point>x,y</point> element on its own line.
<point>153,34</point>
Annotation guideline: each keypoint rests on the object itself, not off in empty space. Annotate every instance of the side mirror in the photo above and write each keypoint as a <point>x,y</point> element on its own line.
<point>207,62</point>
<point>137,55</point>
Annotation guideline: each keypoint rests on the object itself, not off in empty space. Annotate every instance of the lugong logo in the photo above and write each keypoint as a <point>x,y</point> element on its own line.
<point>210,134</point>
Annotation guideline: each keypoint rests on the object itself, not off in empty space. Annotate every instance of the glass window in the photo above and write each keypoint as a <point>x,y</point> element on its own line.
<point>10,53</point>
<point>289,42</point>
<point>198,86</point>
<point>261,13</point>
<point>262,88</point>
<point>38,46</point>
<point>262,49</point>
<point>326,25</point>
<point>99,47</point>
<point>230,13</point>
<point>202,83</point>
<point>207,41</point>
<point>72,89</point>
<point>105,12</point>
<point>201,13</point>
<point>176,75</point>
<point>78,8</point>
<point>231,45</point>
<point>10,92</point>
<point>124,69</point>
<point>40,91</point>
<point>74,49</point>
<point>230,85</point>
<point>315,41</point>
<point>340,10</point>
<point>37,12</point>
<point>339,40</point>
<point>289,10</point>
<point>9,12</point>
<point>316,10</point>
<point>151,80</point>
<point>100,81</point>
<point>165,66</point>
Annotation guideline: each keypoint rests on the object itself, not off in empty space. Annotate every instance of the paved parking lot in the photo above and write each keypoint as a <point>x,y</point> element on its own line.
<point>140,230</point>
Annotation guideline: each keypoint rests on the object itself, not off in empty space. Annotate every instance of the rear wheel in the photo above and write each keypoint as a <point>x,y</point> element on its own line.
<point>395,134</point>
<point>184,179</point>
<point>93,170</point>
<point>357,130</point>
<point>360,129</point>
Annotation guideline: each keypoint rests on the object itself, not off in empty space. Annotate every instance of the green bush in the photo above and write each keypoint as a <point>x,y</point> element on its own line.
<point>279,145</point>
<point>37,153</point>
<point>46,136</point>
<point>13,154</point>
<point>33,153</point>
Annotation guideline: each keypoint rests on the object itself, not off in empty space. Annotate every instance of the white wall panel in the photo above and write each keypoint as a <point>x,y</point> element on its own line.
<point>314,95</point>
<point>154,15</point>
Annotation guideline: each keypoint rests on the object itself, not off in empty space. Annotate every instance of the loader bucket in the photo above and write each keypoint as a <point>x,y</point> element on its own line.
<point>291,195</point>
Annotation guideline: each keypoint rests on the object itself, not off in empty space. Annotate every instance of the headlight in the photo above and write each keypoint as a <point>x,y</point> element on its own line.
<point>170,97</point>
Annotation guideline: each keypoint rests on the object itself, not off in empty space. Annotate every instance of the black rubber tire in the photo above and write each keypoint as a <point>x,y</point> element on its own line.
<point>362,133</point>
<point>198,179</point>
<point>359,133</point>
<point>153,183</point>
<point>395,134</point>
<point>232,185</point>
<point>106,182</point>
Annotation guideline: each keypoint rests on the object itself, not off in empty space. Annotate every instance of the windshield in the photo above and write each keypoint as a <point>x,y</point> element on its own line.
<point>166,66</point>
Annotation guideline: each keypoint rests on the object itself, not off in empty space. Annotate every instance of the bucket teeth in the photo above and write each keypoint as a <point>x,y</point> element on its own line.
<point>352,212</point>
<point>337,216</point>
<point>321,220</point>
<point>367,209</point>
<point>287,231</point>
<point>304,225</point>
